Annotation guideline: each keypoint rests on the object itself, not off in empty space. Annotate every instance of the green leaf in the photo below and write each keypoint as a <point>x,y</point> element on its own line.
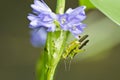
<point>111,8</point>
<point>87,3</point>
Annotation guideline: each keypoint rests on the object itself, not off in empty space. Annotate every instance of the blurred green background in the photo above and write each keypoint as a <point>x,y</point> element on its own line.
<point>100,61</point>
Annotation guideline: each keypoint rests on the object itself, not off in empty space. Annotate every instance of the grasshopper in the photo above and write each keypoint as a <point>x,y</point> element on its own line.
<point>75,47</point>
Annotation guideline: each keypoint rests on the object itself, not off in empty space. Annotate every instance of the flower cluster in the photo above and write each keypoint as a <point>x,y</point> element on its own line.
<point>71,20</point>
<point>43,21</point>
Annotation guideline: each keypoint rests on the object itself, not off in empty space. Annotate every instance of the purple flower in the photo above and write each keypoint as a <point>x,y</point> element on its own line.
<point>72,19</point>
<point>42,17</point>
<point>38,37</point>
<point>41,22</point>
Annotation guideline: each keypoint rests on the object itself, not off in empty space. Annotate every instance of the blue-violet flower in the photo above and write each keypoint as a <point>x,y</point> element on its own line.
<point>42,17</point>
<point>38,37</point>
<point>72,19</point>
<point>43,20</point>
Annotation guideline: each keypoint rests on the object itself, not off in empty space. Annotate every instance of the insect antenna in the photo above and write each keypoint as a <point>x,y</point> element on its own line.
<point>83,44</point>
<point>83,38</point>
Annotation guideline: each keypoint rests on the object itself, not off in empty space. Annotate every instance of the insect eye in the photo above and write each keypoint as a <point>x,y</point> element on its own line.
<point>79,36</point>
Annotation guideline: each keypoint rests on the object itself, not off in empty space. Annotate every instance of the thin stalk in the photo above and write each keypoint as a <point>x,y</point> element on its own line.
<point>60,6</point>
<point>46,66</point>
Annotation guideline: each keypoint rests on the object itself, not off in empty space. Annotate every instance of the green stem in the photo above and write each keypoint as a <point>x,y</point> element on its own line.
<point>52,54</point>
<point>60,6</point>
<point>53,50</point>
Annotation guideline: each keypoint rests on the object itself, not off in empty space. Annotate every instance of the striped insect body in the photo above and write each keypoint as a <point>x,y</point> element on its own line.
<point>75,47</point>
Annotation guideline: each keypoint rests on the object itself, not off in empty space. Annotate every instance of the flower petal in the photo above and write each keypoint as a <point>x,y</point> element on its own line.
<point>69,10</point>
<point>71,20</point>
<point>31,17</point>
<point>40,6</point>
<point>38,37</point>
<point>77,13</point>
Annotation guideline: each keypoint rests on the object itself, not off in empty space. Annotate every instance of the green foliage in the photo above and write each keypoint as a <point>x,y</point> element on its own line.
<point>110,8</point>
<point>87,3</point>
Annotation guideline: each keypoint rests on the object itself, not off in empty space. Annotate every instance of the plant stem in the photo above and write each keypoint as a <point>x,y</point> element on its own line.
<point>53,54</point>
<point>60,6</point>
<point>53,50</point>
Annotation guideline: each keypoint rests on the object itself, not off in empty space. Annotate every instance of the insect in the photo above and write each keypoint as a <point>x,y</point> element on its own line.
<point>75,47</point>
